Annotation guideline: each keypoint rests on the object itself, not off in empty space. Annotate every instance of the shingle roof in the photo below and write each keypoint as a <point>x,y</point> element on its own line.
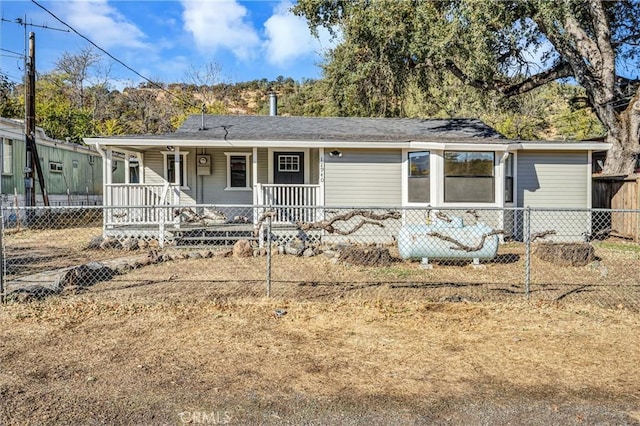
<point>239,127</point>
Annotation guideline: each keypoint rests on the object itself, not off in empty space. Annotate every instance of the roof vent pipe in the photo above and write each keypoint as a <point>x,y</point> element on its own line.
<point>273,104</point>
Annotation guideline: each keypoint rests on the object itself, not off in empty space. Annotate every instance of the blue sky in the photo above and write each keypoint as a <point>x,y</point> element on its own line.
<point>163,40</point>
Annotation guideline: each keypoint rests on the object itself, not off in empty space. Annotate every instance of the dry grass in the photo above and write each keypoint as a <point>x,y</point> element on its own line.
<point>358,344</point>
<point>142,351</point>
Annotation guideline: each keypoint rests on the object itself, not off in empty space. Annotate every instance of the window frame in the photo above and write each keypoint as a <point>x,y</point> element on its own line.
<point>408,176</point>
<point>292,163</point>
<point>247,159</point>
<point>509,176</point>
<point>56,167</point>
<point>7,161</point>
<point>184,168</point>
<point>491,177</point>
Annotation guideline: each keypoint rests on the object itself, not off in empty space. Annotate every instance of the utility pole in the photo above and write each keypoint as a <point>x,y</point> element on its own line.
<point>30,123</point>
<point>32,159</point>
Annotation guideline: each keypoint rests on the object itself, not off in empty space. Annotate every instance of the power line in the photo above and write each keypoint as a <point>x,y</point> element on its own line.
<point>19,55</point>
<point>148,80</point>
<point>20,21</point>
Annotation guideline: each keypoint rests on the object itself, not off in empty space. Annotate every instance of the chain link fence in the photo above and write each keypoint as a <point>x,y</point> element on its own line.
<point>194,252</point>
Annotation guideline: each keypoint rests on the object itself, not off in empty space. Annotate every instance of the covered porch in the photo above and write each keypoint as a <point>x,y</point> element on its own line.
<point>160,181</point>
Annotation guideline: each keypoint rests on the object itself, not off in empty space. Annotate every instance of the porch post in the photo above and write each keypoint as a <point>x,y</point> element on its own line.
<point>127,170</point>
<point>109,177</point>
<point>320,199</point>
<point>176,166</point>
<point>254,167</point>
<point>319,213</point>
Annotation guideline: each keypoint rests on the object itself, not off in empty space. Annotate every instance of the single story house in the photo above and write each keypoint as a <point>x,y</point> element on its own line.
<point>300,164</point>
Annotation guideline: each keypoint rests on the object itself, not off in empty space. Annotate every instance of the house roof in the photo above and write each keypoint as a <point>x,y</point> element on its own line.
<point>261,127</point>
<point>284,131</point>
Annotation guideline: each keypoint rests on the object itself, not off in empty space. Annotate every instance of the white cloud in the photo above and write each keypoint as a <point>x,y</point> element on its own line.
<point>220,24</point>
<point>288,37</point>
<point>101,23</point>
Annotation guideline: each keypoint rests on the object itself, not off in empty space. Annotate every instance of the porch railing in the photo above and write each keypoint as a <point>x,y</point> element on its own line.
<point>142,204</point>
<point>292,203</point>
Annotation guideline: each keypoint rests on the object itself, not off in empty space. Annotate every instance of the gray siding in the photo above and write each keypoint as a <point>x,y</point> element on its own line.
<point>553,179</point>
<point>314,166</point>
<point>263,165</point>
<point>364,178</point>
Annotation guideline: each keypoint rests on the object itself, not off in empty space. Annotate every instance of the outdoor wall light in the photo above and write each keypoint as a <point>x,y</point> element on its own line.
<point>170,148</point>
<point>335,153</point>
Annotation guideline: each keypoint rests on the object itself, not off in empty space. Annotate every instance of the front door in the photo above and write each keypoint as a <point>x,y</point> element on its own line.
<point>288,168</point>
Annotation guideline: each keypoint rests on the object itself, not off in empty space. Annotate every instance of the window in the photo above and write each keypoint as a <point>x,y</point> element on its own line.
<point>7,156</point>
<point>508,179</point>
<point>468,177</point>
<point>170,168</point>
<point>288,163</point>
<point>238,170</point>
<point>419,182</point>
<point>55,167</point>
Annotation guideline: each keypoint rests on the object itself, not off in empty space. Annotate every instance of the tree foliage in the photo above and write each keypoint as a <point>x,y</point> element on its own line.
<point>507,47</point>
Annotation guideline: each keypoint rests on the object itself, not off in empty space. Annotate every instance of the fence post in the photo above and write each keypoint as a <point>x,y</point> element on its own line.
<point>269,255</point>
<point>527,260</point>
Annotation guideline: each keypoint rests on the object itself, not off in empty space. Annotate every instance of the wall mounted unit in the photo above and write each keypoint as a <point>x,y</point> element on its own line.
<point>204,165</point>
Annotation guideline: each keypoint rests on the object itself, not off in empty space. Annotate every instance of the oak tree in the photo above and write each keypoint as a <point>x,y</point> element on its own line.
<point>508,47</point>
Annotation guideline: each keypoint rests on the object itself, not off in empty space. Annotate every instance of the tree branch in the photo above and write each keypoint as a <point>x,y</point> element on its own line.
<point>457,245</point>
<point>561,70</point>
<point>328,225</point>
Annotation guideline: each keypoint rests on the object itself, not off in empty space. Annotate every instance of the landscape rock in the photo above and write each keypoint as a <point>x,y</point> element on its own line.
<point>130,244</point>
<point>242,248</point>
<point>95,243</point>
<point>110,243</point>
<point>85,275</point>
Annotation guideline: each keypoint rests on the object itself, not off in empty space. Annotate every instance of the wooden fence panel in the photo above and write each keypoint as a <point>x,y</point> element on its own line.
<point>619,193</point>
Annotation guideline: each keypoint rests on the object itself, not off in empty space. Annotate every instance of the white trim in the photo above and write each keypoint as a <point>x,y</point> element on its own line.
<point>183,170</point>
<point>419,145</point>
<point>321,176</point>
<point>405,179</point>
<point>7,142</point>
<point>291,166</point>
<point>589,179</point>
<point>270,165</point>
<point>249,167</point>
<point>442,203</point>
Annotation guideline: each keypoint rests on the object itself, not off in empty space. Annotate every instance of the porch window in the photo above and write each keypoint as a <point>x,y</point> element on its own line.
<point>468,177</point>
<point>7,156</point>
<point>238,170</point>
<point>170,168</point>
<point>419,182</point>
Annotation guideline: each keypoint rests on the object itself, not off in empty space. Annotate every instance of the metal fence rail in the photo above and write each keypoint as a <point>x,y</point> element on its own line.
<point>491,254</point>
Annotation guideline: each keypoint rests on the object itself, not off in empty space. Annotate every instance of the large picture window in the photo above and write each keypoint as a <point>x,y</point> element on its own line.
<point>468,177</point>
<point>238,176</point>
<point>419,182</point>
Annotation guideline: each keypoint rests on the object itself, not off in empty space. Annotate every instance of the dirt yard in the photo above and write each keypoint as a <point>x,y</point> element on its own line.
<point>158,346</point>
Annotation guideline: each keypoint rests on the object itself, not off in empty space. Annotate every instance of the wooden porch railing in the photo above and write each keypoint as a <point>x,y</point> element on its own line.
<point>292,203</point>
<point>141,204</point>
